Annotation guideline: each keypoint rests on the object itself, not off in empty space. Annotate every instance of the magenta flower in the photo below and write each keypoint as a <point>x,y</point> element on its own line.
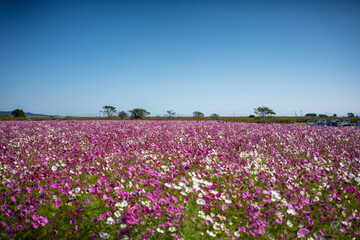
<point>57,202</point>
<point>302,232</point>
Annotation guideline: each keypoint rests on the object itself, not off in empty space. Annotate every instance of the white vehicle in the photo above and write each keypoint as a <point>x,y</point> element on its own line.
<point>346,122</point>
<point>310,122</point>
<point>335,122</point>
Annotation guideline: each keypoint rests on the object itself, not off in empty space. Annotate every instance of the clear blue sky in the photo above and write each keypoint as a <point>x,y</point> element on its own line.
<point>212,56</point>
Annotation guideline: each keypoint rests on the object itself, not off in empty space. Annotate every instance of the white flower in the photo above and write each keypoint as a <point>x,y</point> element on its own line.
<point>77,190</point>
<point>172,229</point>
<point>104,235</point>
<point>54,168</point>
<point>160,230</point>
<point>125,237</point>
<point>124,203</point>
<point>216,226</point>
<point>211,233</point>
<point>122,226</point>
<point>110,221</point>
<point>275,196</point>
<point>208,218</point>
<point>200,201</point>
<point>291,211</point>
<point>236,234</point>
<point>117,214</point>
<point>289,223</point>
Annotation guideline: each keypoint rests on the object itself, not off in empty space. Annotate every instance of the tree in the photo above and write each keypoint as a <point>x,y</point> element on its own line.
<point>214,116</point>
<point>198,114</point>
<point>18,113</point>
<point>122,114</point>
<point>335,115</point>
<point>350,115</point>
<point>138,113</point>
<point>110,111</point>
<point>264,111</point>
<point>170,113</point>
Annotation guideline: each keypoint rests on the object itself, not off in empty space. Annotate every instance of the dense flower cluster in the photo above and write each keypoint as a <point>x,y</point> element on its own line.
<point>178,180</point>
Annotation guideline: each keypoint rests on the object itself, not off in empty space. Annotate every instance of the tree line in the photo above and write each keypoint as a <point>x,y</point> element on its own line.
<point>138,113</point>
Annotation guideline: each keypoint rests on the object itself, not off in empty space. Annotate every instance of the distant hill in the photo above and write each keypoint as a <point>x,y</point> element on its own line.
<point>27,114</point>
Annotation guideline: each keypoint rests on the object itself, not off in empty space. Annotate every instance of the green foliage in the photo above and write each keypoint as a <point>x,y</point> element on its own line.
<point>350,115</point>
<point>198,114</point>
<point>170,113</point>
<point>109,111</point>
<point>138,113</point>
<point>122,114</point>
<point>214,116</point>
<point>251,116</point>
<point>18,113</point>
<point>323,115</point>
<point>264,111</point>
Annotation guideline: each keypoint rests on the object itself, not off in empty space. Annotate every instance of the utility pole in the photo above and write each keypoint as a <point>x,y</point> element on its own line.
<point>301,112</point>
<point>295,114</point>
<point>234,113</point>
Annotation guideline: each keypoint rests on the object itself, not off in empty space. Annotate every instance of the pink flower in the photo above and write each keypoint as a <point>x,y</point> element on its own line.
<point>29,190</point>
<point>57,202</point>
<point>302,232</point>
<point>343,230</point>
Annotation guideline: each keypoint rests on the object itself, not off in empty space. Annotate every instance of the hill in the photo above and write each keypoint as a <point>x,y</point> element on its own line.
<point>27,114</point>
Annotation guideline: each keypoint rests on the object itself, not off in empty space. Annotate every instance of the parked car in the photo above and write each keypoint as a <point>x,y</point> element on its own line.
<point>321,122</point>
<point>310,122</point>
<point>357,124</point>
<point>335,122</point>
<point>346,122</point>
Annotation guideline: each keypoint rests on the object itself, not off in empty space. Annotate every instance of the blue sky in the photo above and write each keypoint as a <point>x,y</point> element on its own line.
<point>212,56</point>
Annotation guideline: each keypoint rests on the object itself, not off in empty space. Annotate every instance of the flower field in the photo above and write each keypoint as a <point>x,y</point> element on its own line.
<point>178,180</point>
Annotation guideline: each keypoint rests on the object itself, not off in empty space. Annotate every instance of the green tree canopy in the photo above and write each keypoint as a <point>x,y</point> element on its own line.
<point>198,114</point>
<point>264,111</point>
<point>138,113</point>
<point>214,115</point>
<point>170,113</point>
<point>122,114</point>
<point>350,115</point>
<point>18,113</point>
<point>109,111</point>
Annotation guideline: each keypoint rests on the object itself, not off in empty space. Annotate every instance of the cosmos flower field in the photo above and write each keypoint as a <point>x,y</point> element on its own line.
<point>178,180</point>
